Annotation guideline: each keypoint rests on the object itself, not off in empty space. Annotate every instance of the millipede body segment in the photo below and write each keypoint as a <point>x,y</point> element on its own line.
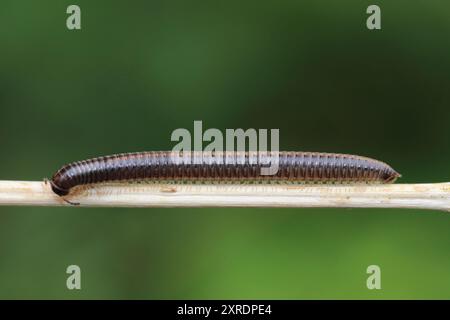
<point>221,167</point>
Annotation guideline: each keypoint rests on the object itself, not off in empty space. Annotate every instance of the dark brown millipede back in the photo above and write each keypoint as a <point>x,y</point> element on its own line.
<point>295,167</point>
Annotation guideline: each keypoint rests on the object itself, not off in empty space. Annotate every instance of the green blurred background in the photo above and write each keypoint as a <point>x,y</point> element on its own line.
<point>140,69</point>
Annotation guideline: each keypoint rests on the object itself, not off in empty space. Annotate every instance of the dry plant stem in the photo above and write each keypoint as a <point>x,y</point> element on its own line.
<point>421,196</point>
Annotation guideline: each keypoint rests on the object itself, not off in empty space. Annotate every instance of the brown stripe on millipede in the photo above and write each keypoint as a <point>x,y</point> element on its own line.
<point>296,167</point>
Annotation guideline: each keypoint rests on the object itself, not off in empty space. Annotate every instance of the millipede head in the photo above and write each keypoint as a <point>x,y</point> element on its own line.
<point>59,191</point>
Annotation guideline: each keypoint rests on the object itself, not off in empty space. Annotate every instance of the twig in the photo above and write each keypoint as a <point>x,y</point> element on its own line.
<point>423,196</point>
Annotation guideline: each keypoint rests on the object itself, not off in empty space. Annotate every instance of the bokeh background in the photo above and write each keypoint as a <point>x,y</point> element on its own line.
<point>138,70</point>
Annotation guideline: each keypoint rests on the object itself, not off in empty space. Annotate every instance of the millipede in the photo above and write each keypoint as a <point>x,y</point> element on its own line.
<point>222,167</point>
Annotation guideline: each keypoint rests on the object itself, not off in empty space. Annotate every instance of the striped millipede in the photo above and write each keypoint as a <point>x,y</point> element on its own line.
<point>221,167</point>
